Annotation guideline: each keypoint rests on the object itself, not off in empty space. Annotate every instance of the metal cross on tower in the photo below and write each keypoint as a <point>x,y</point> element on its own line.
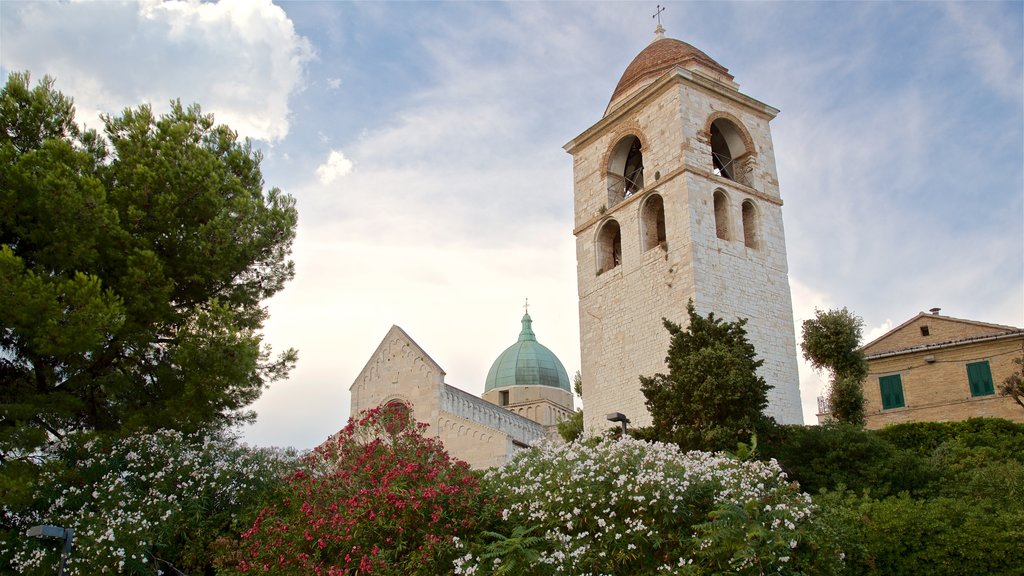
<point>658,14</point>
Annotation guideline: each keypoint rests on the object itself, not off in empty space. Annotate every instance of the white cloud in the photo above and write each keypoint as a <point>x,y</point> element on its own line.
<point>872,333</point>
<point>334,83</point>
<point>241,60</point>
<point>335,167</point>
<point>462,304</point>
<point>991,44</point>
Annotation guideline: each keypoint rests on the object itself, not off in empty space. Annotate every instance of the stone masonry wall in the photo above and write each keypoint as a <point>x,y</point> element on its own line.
<point>621,309</point>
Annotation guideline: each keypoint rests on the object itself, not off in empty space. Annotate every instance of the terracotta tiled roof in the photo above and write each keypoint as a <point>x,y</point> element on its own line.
<point>659,57</point>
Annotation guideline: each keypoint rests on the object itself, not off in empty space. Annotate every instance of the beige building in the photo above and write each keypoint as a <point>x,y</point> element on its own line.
<point>677,198</point>
<point>526,394</point>
<point>935,368</point>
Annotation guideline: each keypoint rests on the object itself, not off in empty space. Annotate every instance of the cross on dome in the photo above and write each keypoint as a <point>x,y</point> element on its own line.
<point>659,32</point>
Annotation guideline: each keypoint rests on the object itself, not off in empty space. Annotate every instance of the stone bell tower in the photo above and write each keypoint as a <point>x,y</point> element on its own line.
<point>677,198</point>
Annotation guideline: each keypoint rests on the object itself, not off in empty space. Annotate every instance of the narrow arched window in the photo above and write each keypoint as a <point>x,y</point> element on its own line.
<point>652,222</point>
<point>609,247</point>
<point>721,215</point>
<point>625,170</point>
<point>750,232</point>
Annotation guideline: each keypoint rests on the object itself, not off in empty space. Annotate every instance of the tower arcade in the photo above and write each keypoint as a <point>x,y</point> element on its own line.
<point>677,198</point>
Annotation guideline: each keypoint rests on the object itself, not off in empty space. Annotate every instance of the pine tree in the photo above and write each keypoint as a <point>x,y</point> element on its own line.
<point>132,270</point>
<point>712,398</point>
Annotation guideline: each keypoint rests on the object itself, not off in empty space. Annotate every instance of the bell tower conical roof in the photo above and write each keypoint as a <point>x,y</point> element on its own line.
<point>660,56</point>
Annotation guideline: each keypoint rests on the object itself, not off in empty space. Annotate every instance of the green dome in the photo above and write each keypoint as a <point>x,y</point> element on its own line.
<point>527,363</point>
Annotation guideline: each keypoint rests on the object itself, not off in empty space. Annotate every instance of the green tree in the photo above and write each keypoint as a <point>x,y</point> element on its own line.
<point>132,268</point>
<point>572,427</point>
<point>1013,385</point>
<point>712,398</point>
<point>831,342</point>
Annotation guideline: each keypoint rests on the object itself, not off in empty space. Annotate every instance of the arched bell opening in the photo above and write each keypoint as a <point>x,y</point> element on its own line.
<point>625,170</point>
<point>731,155</point>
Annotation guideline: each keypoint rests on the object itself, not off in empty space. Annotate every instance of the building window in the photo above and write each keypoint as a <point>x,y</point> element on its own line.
<point>892,391</point>
<point>503,397</point>
<point>652,222</point>
<point>924,330</point>
<point>609,247</point>
<point>749,224</point>
<point>721,215</point>
<point>979,376</point>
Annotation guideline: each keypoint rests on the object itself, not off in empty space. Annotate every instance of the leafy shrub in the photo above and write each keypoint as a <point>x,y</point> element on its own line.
<point>843,455</point>
<point>925,437</point>
<point>978,474</point>
<point>142,503</point>
<point>378,497</point>
<point>631,507</point>
<point>935,537</point>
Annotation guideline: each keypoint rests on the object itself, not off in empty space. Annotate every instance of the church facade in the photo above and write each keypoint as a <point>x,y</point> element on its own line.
<point>676,199</point>
<point>526,394</point>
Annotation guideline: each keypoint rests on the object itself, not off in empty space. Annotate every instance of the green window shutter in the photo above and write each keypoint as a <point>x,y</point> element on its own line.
<point>979,377</point>
<point>892,391</point>
<point>972,379</point>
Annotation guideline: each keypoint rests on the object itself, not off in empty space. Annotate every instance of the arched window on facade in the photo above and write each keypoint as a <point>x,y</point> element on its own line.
<point>400,407</point>
<point>721,215</point>
<point>750,231</point>
<point>730,157</point>
<point>652,222</point>
<point>625,170</point>
<point>609,247</point>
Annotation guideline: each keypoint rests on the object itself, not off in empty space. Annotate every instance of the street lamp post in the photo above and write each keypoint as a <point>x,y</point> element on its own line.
<point>619,417</point>
<point>57,532</point>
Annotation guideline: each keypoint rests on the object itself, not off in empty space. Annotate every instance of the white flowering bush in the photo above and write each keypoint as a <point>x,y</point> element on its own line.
<point>628,507</point>
<point>158,503</point>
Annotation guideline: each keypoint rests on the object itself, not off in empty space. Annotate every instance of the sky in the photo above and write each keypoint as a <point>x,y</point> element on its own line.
<point>423,144</point>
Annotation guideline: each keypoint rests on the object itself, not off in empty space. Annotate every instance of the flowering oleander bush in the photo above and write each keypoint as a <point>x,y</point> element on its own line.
<point>142,504</point>
<point>379,498</point>
<point>630,507</point>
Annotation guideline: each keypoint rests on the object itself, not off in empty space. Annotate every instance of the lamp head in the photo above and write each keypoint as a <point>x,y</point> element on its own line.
<point>617,417</point>
<point>45,531</point>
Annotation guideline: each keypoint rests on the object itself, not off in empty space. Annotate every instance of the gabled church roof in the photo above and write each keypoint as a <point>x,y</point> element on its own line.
<point>396,334</point>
